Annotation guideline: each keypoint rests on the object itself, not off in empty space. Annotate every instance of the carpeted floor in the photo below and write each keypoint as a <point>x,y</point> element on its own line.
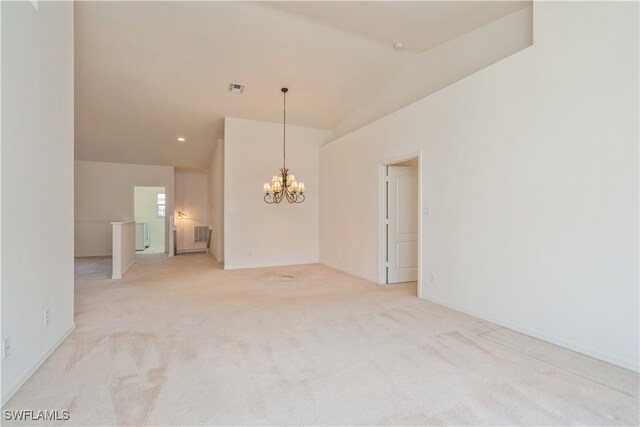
<point>181,341</point>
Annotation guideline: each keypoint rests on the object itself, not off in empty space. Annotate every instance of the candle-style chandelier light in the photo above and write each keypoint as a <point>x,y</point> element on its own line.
<point>284,185</point>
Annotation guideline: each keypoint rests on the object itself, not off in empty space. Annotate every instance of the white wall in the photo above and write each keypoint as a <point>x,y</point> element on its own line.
<point>216,200</point>
<point>104,193</point>
<point>2,397</point>
<point>146,209</point>
<point>531,170</point>
<point>443,65</point>
<point>124,247</point>
<point>255,233</point>
<point>191,197</point>
<point>37,184</point>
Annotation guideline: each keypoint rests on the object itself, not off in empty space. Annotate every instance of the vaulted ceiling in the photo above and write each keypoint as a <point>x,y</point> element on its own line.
<point>150,72</point>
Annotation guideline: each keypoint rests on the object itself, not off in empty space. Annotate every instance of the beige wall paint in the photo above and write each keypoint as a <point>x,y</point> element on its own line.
<point>531,172</point>
<point>104,193</point>
<point>255,233</point>
<point>192,197</point>
<point>216,200</point>
<point>37,183</point>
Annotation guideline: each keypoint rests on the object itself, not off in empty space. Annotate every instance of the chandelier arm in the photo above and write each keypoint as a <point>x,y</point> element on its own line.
<point>273,198</point>
<point>297,198</point>
<point>289,197</point>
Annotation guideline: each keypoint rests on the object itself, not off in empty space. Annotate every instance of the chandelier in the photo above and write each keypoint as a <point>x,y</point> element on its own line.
<point>284,185</point>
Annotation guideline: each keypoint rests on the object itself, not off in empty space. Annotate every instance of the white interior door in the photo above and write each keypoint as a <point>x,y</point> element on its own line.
<point>402,224</point>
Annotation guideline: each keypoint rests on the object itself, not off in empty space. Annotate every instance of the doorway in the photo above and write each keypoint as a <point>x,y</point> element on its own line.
<point>150,210</point>
<point>401,221</point>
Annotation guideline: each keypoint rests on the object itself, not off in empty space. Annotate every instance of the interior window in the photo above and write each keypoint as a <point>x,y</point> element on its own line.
<point>161,205</point>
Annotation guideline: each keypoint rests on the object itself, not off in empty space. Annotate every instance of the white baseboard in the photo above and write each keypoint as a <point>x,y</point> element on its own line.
<point>19,382</point>
<point>351,272</point>
<point>266,265</point>
<point>129,266</point>
<point>189,251</point>
<point>120,275</point>
<point>92,254</point>
<point>569,345</point>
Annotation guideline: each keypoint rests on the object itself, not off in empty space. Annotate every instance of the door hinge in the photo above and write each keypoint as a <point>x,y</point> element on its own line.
<point>386,264</point>
<point>386,221</point>
<point>386,179</point>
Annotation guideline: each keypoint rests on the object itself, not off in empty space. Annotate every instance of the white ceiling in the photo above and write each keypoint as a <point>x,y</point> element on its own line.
<point>150,72</point>
<point>419,25</point>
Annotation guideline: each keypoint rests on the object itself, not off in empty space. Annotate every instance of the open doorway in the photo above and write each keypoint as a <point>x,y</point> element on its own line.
<point>150,205</point>
<point>401,225</point>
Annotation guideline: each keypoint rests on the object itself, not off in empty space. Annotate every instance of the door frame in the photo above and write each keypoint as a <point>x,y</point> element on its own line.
<point>168,215</point>
<point>382,202</point>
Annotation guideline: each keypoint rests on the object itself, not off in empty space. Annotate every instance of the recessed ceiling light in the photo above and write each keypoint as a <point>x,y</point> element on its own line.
<point>398,45</point>
<point>181,139</point>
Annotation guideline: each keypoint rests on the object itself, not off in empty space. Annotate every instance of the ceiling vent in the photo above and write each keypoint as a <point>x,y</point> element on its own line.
<point>236,88</point>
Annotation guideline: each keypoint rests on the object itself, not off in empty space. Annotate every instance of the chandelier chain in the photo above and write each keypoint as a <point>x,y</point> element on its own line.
<point>284,130</point>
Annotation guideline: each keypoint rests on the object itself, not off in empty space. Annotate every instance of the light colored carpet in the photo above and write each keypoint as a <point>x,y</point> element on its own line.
<point>180,341</point>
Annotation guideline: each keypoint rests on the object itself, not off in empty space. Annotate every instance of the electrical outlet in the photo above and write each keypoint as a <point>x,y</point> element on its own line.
<point>6,348</point>
<point>46,317</point>
<point>432,277</point>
